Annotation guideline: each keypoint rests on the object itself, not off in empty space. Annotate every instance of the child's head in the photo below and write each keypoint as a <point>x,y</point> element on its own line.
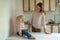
<point>20,18</point>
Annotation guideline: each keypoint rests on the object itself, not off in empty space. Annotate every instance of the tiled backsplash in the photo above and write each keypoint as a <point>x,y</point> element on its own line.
<point>49,15</point>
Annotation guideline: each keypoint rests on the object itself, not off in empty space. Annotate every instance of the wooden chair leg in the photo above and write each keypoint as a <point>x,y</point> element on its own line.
<point>51,28</point>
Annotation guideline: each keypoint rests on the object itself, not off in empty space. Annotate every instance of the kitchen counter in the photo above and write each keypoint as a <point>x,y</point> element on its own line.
<point>38,36</point>
<point>48,28</point>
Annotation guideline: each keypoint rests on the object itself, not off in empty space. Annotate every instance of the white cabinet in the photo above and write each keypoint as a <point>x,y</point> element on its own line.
<point>46,5</point>
<point>30,5</point>
<point>59,29</point>
<point>55,29</point>
<point>25,5</point>
<point>48,29</point>
<point>52,5</point>
<point>37,1</point>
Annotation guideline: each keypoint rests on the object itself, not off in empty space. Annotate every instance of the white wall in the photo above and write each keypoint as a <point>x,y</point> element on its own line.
<point>4,18</point>
<point>16,9</point>
<point>9,9</point>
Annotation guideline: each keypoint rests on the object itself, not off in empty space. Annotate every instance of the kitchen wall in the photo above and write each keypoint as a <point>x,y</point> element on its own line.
<point>16,9</point>
<point>49,15</point>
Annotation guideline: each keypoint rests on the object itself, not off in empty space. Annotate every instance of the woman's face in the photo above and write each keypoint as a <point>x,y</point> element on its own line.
<point>37,8</point>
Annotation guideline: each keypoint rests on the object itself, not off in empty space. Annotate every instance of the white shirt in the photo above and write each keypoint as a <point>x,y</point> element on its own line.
<point>38,20</point>
<point>22,27</point>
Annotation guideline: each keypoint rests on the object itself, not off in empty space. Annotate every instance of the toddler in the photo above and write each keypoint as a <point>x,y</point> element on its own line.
<point>21,30</point>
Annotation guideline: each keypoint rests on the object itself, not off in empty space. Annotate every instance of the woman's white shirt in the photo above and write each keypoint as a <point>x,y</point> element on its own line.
<point>38,20</point>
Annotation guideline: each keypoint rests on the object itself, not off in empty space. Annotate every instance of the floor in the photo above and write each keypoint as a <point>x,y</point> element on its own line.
<point>38,36</point>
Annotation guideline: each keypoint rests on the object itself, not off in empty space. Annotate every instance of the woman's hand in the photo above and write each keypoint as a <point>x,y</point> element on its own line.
<point>46,32</point>
<point>29,25</point>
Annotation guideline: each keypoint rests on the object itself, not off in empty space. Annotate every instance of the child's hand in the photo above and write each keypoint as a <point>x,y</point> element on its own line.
<point>21,35</point>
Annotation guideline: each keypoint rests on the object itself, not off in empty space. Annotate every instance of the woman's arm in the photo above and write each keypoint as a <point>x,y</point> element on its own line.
<point>30,23</point>
<point>44,23</point>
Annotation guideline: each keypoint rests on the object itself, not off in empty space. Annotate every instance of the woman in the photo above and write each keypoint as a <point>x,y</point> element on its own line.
<point>38,19</point>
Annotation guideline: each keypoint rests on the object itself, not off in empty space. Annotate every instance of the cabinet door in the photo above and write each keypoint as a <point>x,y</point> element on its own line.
<point>32,5</point>
<point>52,4</point>
<point>46,5</point>
<point>25,5</point>
<point>55,29</point>
<point>48,29</point>
<point>37,1</point>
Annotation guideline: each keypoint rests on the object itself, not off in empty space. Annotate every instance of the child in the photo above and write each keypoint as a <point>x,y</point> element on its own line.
<point>21,30</point>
